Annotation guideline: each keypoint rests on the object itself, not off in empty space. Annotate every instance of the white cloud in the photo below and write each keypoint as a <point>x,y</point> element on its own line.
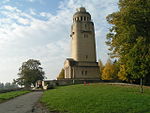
<point>10,8</point>
<point>47,15</point>
<point>32,11</point>
<point>22,36</point>
<point>31,0</point>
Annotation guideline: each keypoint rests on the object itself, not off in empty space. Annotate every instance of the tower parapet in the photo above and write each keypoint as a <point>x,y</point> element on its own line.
<point>81,15</point>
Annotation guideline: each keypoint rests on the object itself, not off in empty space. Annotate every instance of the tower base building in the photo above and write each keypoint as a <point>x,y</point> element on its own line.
<point>81,70</point>
<point>82,64</point>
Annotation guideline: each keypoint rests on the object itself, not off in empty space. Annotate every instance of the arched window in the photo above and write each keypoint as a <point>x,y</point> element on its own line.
<point>81,18</point>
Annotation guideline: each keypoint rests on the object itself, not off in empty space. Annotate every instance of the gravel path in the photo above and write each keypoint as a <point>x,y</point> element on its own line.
<point>23,104</point>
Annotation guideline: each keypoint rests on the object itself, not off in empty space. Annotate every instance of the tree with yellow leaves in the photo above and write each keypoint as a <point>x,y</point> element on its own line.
<point>61,75</point>
<point>110,71</point>
<point>101,67</point>
<point>122,73</point>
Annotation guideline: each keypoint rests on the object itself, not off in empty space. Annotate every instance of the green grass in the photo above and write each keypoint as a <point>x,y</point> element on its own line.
<point>10,95</point>
<point>97,98</point>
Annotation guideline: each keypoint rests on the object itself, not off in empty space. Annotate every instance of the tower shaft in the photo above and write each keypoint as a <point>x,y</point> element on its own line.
<point>83,37</point>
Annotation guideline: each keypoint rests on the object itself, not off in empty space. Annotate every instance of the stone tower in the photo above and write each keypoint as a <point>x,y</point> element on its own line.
<point>82,64</point>
<point>83,37</point>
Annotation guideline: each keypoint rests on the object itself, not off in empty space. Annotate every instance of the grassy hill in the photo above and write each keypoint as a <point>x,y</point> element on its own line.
<point>10,95</point>
<point>97,98</point>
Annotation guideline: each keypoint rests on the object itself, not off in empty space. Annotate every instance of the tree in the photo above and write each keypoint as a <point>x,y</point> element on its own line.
<point>30,72</point>
<point>110,71</point>
<point>116,67</point>
<point>122,73</point>
<point>61,74</point>
<point>18,81</point>
<point>1,85</point>
<point>8,85</point>
<point>129,38</point>
<point>101,67</point>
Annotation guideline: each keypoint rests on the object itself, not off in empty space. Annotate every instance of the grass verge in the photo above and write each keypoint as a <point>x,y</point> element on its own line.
<point>97,98</point>
<point>10,95</point>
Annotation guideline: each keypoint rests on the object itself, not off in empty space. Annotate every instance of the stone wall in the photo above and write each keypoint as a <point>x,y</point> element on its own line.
<point>64,82</point>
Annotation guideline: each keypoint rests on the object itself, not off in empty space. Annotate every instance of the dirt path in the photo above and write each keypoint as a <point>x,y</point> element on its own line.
<point>23,104</point>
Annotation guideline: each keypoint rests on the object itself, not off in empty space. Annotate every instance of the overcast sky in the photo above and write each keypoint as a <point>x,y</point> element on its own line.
<point>40,29</point>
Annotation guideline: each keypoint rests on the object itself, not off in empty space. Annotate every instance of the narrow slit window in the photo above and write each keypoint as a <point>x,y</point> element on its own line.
<point>82,72</point>
<point>85,72</point>
<point>86,56</point>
